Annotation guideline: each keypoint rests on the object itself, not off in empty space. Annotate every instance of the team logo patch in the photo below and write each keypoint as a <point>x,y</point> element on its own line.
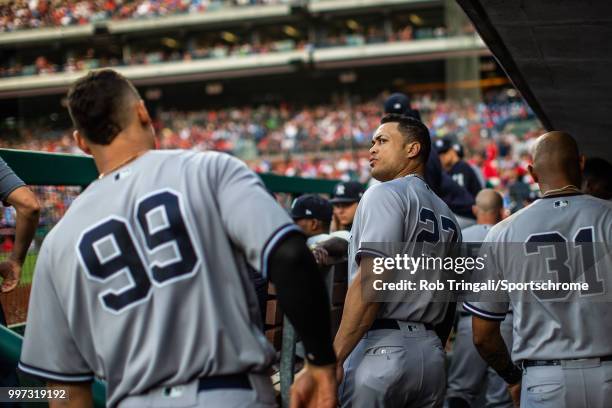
<point>561,203</point>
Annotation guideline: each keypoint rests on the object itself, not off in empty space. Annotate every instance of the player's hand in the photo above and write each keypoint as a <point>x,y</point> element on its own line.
<point>321,255</point>
<point>315,387</point>
<point>10,272</point>
<point>515,393</point>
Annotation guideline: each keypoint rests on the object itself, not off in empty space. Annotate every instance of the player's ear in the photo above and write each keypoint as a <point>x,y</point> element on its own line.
<point>532,173</point>
<point>413,149</point>
<point>143,114</point>
<point>582,160</point>
<point>81,142</point>
<point>475,211</point>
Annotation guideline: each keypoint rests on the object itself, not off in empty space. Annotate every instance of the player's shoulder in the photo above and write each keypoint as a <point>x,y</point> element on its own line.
<point>192,156</point>
<point>476,228</point>
<point>597,203</point>
<point>504,226</point>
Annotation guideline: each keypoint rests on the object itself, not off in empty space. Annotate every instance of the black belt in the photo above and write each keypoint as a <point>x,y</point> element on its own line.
<point>392,324</point>
<point>542,363</point>
<point>240,381</point>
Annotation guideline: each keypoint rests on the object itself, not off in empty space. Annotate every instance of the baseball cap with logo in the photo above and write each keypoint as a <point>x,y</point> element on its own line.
<point>445,144</point>
<point>347,192</point>
<point>311,206</point>
<point>400,103</point>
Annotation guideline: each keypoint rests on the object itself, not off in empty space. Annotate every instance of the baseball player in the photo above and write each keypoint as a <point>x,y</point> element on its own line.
<point>144,281</point>
<point>345,200</point>
<point>14,192</point>
<point>389,353</point>
<point>561,337</point>
<point>468,371</point>
<point>455,196</point>
<point>313,214</point>
<point>451,157</point>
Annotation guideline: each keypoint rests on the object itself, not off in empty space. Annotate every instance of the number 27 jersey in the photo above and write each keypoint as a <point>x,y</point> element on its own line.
<point>144,282</point>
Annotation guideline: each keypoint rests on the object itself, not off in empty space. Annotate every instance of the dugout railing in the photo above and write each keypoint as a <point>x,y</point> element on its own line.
<point>55,169</point>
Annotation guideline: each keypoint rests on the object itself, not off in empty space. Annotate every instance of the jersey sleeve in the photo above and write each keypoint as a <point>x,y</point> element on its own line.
<point>252,218</point>
<point>381,220</point>
<point>487,308</point>
<point>49,351</point>
<point>343,234</point>
<point>8,181</point>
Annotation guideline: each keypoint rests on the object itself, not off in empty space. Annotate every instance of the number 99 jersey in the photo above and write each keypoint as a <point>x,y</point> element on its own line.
<point>144,282</point>
<point>563,241</point>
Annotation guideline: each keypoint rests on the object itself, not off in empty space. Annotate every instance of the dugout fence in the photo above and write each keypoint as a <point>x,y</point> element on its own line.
<point>57,179</point>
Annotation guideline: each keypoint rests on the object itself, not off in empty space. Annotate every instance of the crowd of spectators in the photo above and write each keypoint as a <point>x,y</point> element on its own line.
<point>331,140</point>
<point>202,48</point>
<point>26,14</point>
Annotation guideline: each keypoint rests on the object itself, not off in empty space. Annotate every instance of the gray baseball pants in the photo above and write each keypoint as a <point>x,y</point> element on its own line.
<point>395,368</point>
<point>468,371</point>
<point>187,395</point>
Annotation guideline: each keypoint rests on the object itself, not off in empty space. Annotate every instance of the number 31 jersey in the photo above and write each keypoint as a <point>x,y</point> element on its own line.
<point>144,282</point>
<point>557,239</point>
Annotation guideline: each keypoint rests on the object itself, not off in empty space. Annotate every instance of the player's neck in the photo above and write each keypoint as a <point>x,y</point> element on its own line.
<point>559,186</point>
<point>487,219</point>
<point>120,152</point>
<point>413,168</point>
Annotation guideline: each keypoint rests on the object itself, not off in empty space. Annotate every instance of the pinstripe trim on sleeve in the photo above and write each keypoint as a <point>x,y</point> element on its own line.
<point>483,313</point>
<point>53,376</point>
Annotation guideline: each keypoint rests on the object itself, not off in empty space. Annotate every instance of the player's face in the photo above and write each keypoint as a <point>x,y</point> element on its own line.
<point>446,159</point>
<point>345,212</point>
<point>388,154</point>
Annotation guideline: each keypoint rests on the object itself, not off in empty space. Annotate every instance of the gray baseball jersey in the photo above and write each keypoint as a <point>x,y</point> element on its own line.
<point>144,281</point>
<point>8,180</point>
<point>546,328</point>
<point>404,210</point>
<point>475,233</point>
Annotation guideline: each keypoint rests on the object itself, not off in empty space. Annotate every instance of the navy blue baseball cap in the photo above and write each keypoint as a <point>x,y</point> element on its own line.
<point>347,192</point>
<point>400,103</point>
<point>311,206</point>
<point>445,144</point>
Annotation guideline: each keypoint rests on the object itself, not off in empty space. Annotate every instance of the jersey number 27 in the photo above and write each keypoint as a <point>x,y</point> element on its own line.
<point>109,249</point>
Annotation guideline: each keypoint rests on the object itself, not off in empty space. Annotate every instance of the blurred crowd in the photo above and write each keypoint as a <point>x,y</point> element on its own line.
<point>24,14</point>
<point>210,47</point>
<point>331,140</point>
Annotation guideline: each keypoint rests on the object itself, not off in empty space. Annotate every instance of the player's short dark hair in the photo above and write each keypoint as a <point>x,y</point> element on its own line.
<point>97,105</point>
<point>412,130</point>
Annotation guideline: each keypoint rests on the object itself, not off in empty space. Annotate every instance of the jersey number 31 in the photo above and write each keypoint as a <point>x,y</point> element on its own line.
<point>109,249</point>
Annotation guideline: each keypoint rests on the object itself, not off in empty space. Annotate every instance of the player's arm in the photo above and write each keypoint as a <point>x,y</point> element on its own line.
<point>443,329</point>
<point>333,250</point>
<point>490,344</point>
<point>27,209</point>
<point>358,314</point>
<point>303,297</point>
<point>79,395</point>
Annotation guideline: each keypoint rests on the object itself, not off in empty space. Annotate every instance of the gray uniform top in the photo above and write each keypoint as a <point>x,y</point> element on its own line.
<point>549,329</point>
<point>8,181</point>
<point>144,281</point>
<point>475,233</point>
<point>403,210</point>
